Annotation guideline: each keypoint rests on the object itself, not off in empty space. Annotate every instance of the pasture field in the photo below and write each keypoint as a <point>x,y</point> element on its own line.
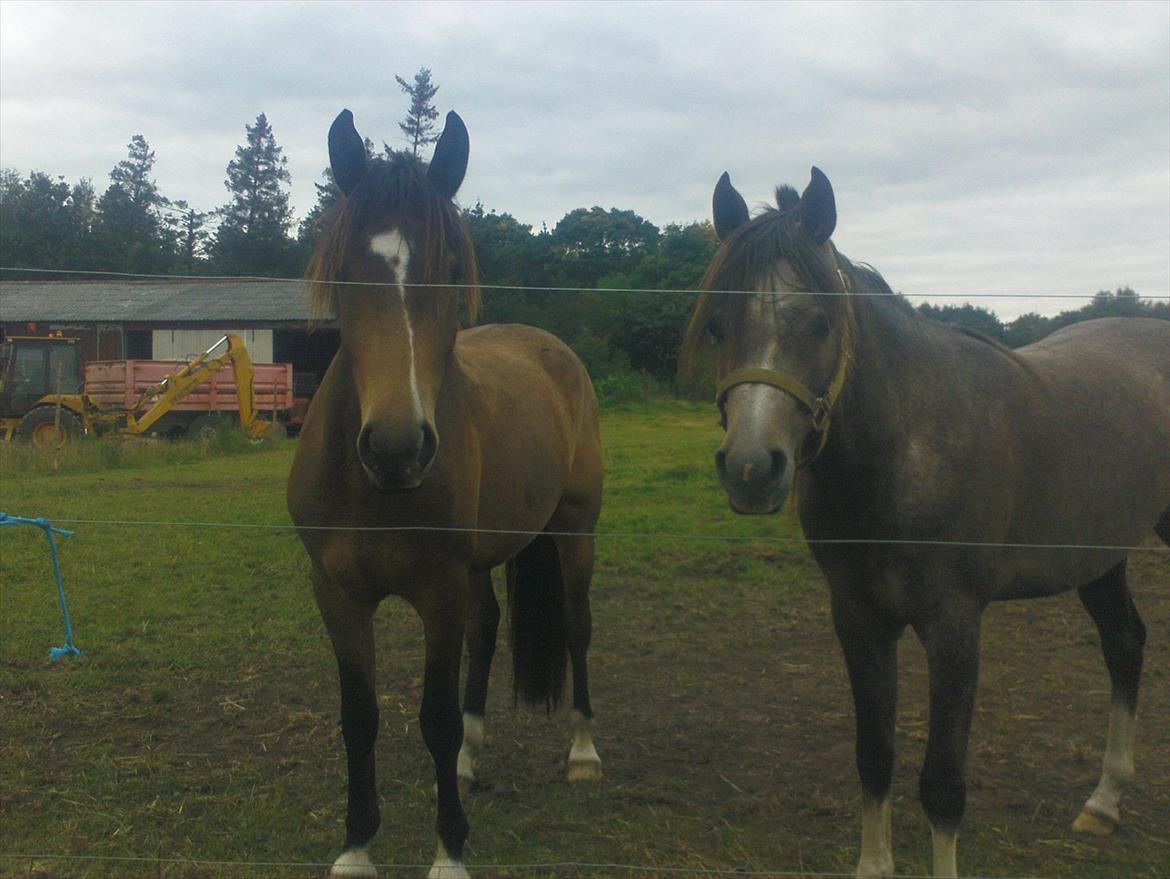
<point>199,730</point>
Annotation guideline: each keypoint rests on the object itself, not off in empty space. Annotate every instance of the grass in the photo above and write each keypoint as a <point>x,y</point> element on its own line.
<point>201,721</point>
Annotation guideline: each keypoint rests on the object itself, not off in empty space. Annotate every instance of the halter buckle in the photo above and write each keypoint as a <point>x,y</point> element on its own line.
<point>820,414</point>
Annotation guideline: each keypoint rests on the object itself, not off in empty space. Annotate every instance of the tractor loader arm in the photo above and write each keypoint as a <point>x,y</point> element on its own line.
<point>179,384</point>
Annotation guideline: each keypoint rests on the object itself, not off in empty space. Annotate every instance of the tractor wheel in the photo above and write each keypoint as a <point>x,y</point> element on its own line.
<point>42,429</point>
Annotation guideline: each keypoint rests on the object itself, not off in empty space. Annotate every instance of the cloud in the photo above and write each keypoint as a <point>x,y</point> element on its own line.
<point>973,147</point>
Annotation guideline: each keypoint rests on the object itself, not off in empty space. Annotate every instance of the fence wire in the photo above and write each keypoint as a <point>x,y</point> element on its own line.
<point>621,535</point>
<point>515,288</point>
<point>473,869</point>
<point>573,866</point>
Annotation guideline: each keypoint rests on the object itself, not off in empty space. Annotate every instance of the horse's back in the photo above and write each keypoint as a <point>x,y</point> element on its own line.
<point>1135,348</point>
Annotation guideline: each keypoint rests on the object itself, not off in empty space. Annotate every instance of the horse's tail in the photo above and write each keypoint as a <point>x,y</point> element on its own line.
<point>536,610</point>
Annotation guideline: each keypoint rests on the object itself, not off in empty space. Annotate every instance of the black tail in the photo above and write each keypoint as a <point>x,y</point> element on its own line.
<point>536,610</point>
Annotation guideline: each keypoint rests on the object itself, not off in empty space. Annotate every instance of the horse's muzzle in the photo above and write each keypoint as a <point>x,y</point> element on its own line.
<point>397,460</point>
<point>755,480</point>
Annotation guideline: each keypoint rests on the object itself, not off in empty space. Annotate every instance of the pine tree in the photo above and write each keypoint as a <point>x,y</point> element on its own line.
<point>129,228</point>
<point>187,226</point>
<point>419,125</point>
<point>253,236</point>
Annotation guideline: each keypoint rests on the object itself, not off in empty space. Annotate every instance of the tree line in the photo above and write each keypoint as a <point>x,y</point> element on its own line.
<point>603,265</point>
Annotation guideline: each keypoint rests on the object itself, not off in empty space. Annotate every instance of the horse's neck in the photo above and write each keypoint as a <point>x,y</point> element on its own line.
<point>893,360</point>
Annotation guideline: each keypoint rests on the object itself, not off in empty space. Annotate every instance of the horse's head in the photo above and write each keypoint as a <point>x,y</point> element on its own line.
<point>783,350</point>
<point>393,268</point>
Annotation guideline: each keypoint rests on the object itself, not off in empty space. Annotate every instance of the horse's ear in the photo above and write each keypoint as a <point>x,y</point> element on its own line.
<point>728,207</point>
<point>347,152</point>
<point>818,208</point>
<point>450,160</point>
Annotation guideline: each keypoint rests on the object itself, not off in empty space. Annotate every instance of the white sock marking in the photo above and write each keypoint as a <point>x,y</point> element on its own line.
<point>582,750</point>
<point>446,868</point>
<point>392,247</point>
<point>473,738</point>
<point>353,864</point>
<point>1116,767</point>
<point>945,857</point>
<point>877,844</point>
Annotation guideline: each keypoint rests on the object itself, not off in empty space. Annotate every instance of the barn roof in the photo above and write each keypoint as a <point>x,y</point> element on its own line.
<point>154,301</point>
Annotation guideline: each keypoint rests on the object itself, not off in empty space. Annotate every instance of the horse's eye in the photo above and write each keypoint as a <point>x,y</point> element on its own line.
<point>715,328</point>
<point>820,327</point>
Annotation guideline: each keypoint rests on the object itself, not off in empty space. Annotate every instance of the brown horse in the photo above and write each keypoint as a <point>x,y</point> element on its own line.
<point>935,471</point>
<point>429,456</point>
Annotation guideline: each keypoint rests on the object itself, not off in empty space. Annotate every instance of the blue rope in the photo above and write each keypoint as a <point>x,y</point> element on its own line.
<point>69,648</point>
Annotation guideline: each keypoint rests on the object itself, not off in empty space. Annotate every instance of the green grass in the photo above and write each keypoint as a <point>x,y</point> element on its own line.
<point>201,721</point>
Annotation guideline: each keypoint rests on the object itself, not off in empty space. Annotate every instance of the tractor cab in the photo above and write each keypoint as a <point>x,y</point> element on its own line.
<point>31,369</point>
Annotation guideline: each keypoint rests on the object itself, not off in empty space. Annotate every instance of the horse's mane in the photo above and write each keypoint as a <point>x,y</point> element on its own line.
<point>751,253</point>
<point>396,187</point>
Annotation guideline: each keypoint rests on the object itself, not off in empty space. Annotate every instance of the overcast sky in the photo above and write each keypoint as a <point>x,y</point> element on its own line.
<point>1004,148</point>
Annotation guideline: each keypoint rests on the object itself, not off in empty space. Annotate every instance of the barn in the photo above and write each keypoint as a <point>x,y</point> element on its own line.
<point>174,320</point>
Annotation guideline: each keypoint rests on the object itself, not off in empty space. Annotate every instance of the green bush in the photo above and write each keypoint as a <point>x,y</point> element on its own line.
<point>621,387</point>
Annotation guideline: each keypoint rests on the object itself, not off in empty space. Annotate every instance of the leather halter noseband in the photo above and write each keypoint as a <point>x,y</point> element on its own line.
<point>819,408</point>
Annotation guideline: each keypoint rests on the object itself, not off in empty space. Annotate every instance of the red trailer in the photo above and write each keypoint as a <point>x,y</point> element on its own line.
<point>120,384</point>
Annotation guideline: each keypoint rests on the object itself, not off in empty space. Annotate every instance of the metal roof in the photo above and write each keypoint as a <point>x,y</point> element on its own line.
<point>154,302</point>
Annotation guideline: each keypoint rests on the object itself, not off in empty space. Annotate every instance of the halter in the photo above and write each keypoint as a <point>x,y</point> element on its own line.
<point>819,408</point>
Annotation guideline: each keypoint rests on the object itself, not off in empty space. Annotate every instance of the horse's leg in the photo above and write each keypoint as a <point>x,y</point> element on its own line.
<point>576,554</point>
<point>442,606</point>
<point>1122,638</point>
<point>483,621</point>
<point>951,640</point>
<point>871,658</point>
<point>351,630</point>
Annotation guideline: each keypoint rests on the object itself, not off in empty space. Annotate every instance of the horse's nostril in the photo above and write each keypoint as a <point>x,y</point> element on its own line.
<point>721,461</point>
<point>779,460</point>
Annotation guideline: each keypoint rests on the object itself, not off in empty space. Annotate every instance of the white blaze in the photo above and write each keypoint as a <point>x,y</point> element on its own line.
<point>759,399</point>
<point>392,247</point>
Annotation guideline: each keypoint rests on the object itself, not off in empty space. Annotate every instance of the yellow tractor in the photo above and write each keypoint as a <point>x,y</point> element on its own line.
<point>45,401</point>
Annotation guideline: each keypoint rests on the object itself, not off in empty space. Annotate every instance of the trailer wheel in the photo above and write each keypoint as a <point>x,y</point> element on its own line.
<point>274,433</point>
<point>204,427</point>
<point>41,428</point>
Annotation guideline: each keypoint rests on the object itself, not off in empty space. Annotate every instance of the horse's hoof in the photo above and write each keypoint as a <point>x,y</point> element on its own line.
<point>353,864</point>
<point>584,770</point>
<point>1094,824</point>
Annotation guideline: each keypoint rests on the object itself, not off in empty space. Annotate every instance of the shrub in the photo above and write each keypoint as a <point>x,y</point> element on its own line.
<point>621,387</point>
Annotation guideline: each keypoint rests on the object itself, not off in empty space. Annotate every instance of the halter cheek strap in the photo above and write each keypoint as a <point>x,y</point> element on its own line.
<point>820,409</point>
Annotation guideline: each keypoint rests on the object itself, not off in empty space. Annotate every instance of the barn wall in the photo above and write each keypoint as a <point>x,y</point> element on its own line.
<point>186,344</point>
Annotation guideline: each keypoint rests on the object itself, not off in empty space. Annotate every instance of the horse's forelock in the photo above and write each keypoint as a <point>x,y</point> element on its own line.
<point>786,197</point>
<point>392,189</point>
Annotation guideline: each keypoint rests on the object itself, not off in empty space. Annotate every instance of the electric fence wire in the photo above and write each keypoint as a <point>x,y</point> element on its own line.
<point>575,866</point>
<point>557,865</point>
<point>620,535</point>
<point>515,288</point>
